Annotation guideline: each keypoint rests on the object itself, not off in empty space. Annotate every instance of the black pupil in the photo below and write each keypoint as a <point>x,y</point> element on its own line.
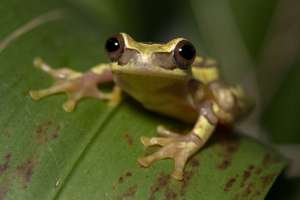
<point>112,44</point>
<point>187,51</point>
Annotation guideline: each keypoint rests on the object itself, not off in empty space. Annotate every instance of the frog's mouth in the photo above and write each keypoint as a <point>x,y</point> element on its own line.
<point>156,71</point>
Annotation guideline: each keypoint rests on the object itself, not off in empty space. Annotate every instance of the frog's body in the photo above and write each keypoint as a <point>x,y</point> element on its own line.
<point>165,78</point>
<point>172,91</point>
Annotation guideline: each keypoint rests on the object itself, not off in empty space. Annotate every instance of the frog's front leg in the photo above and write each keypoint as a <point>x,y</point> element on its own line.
<point>181,147</point>
<point>77,85</point>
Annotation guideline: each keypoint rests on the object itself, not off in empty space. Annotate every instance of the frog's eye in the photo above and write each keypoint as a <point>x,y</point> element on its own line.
<point>115,47</point>
<point>184,54</point>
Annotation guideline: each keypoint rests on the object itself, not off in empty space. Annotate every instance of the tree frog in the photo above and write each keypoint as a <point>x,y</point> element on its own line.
<point>165,78</point>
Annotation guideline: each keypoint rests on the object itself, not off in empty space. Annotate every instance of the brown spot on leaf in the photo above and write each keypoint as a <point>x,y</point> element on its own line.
<point>163,182</point>
<point>267,179</point>
<point>5,187</point>
<point>269,160</point>
<point>122,178</point>
<point>194,163</point>
<point>229,184</point>
<point>229,145</point>
<point>252,190</point>
<point>47,131</point>
<point>258,170</point>
<point>225,163</point>
<point>25,171</point>
<point>128,139</point>
<point>3,192</point>
<point>5,165</point>
<point>248,190</point>
<point>185,182</point>
<point>257,193</point>
<point>170,194</point>
<point>129,193</point>
<point>7,132</point>
<point>189,172</point>
<point>246,175</point>
<point>128,174</point>
<point>160,183</point>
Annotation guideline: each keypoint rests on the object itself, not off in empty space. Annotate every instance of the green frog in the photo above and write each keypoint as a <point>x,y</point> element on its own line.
<point>170,79</point>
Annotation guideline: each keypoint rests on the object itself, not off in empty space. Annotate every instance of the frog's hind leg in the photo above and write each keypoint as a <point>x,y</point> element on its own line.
<point>77,85</point>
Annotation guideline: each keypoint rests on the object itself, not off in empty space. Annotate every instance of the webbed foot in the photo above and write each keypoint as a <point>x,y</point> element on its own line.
<point>175,146</point>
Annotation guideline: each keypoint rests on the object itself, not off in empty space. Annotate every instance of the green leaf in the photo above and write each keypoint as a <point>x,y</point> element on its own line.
<point>46,153</point>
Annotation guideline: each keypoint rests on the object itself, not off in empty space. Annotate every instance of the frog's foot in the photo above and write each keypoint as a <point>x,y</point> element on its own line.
<point>76,85</point>
<point>175,146</point>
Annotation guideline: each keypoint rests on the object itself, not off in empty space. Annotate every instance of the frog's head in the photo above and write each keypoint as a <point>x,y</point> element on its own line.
<point>174,57</point>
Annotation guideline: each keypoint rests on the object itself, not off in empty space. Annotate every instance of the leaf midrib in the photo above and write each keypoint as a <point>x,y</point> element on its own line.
<point>96,131</point>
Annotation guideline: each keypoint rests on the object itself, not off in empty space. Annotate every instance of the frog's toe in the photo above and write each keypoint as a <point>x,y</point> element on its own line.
<point>145,141</point>
<point>180,162</point>
<point>69,105</point>
<point>114,97</point>
<point>155,141</point>
<point>56,74</point>
<point>35,94</point>
<point>177,174</point>
<point>163,131</point>
<point>163,153</point>
<point>38,62</point>
<point>38,94</point>
<point>143,162</point>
